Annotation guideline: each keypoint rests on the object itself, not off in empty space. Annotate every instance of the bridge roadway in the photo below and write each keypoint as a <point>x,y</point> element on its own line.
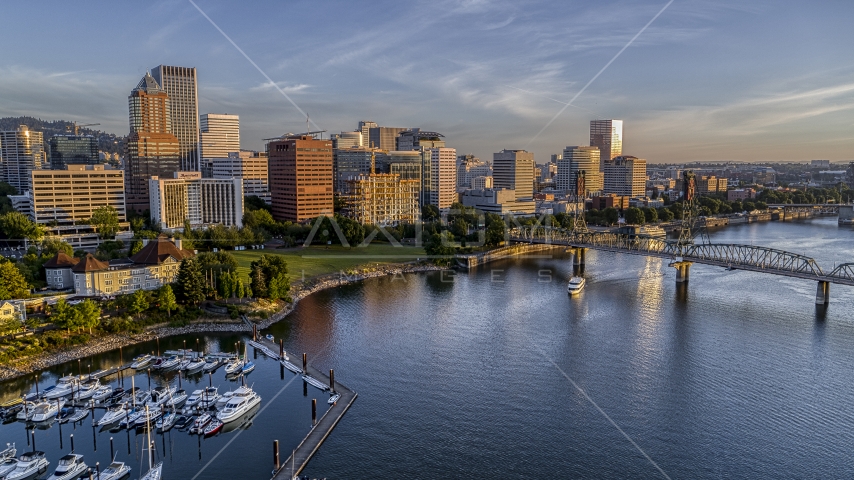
<point>742,257</point>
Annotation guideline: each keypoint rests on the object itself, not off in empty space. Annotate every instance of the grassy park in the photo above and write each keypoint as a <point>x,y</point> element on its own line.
<point>307,262</point>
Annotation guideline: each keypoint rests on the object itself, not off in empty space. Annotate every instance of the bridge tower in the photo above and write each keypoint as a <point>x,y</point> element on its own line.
<point>692,226</point>
<point>580,193</point>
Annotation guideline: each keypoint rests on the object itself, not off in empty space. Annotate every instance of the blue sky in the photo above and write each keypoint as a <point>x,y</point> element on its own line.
<point>708,80</point>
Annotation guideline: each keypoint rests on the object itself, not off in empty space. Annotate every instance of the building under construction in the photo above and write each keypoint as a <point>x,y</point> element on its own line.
<point>383,199</point>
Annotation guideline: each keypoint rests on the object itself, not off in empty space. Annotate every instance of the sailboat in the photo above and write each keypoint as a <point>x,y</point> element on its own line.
<point>154,471</point>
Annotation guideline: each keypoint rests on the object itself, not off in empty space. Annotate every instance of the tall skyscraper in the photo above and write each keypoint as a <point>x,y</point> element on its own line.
<point>575,160</point>
<point>443,163</point>
<point>301,178</point>
<point>72,149</point>
<point>152,150</point>
<point>219,135</point>
<point>181,86</point>
<point>21,152</point>
<point>625,176</point>
<point>608,136</point>
<point>384,138</point>
<point>514,170</point>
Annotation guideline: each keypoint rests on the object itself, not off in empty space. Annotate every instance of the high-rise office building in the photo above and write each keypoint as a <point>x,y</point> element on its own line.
<point>365,127</point>
<point>469,167</point>
<point>201,202</point>
<point>21,152</point>
<point>181,86</point>
<point>346,140</point>
<point>384,138</point>
<point>301,177</point>
<point>219,135</point>
<point>514,170</point>
<point>408,165</point>
<point>625,176</point>
<point>72,149</point>
<point>608,136</point>
<point>152,150</point>
<point>415,139</point>
<point>349,163</point>
<point>251,167</point>
<point>383,199</point>
<point>443,166</point>
<point>575,160</point>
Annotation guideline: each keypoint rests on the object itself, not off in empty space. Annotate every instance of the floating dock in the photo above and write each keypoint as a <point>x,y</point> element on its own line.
<point>300,457</point>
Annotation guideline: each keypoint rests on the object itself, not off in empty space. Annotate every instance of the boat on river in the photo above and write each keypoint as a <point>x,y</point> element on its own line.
<point>30,465</point>
<point>576,285</point>
<point>242,401</point>
<point>69,467</point>
<point>141,361</point>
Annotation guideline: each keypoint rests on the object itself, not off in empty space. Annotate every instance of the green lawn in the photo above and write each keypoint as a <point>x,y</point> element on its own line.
<point>317,260</point>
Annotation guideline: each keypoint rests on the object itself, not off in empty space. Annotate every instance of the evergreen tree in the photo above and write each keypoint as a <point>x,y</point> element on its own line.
<point>258,281</point>
<point>12,283</point>
<point>190,285</point>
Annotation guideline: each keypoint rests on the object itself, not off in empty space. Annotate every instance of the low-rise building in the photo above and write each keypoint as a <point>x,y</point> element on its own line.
<point>740,194</point>
<point>498,200</point>
<point>58,271</point>
<point>609,201</point>
<point>152,267</point>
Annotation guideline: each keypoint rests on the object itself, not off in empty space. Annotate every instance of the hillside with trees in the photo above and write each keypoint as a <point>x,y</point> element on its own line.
<point>107,142</point>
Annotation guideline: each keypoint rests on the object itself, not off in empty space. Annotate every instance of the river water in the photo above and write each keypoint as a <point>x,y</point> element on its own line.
<point>498,373</point>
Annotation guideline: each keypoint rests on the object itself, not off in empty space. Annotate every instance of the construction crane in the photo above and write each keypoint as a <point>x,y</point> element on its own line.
<point>76,128</point>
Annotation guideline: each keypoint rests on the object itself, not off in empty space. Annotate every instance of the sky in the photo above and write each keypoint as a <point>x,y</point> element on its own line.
<point>715,80</point>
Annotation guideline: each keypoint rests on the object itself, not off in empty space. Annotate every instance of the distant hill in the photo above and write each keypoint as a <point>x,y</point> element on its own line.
<point>107,142</point>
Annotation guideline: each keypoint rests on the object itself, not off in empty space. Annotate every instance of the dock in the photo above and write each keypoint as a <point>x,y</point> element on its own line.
<point>297,461</point>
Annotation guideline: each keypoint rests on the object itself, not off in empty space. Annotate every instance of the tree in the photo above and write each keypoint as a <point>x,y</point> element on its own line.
<point>105,219</point>
<point>139,302</point>
<point>258,218</point>
<point>430,213</point>
<point>279,286</point>
<point>258,282</point>
<point>89,314</point>
<point>18,226</point>
<point>65,316</point>
<point>665,214</point>
<point>269,275</point>
<point>611,215</point>
<point>166,299</point>
<point>9,325</point>
<point>634,216</point>
<point>650,215</point>
<point>12,283</point>
<point>190,284</point>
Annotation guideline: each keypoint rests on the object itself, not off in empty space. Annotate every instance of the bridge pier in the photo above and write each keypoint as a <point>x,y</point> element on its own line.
<point>682,269</point>
<point>822,293</point>
<point>578,255</point>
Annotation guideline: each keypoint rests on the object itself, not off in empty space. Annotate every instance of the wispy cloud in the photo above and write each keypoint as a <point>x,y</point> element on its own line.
<point>280,86</point>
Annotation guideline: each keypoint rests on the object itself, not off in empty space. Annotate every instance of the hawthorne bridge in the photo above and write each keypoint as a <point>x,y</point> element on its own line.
<point>683,254</point>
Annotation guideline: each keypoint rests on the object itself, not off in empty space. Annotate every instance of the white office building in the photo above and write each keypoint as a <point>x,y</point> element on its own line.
<point>199,201</point>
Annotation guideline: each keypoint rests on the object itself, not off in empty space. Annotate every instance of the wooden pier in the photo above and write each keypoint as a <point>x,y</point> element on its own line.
<point>300,457</point>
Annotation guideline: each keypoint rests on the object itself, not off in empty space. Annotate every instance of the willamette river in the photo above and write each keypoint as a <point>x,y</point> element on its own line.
<point>481,374</point>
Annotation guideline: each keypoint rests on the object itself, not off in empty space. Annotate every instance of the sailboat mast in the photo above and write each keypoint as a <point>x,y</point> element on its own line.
<point>148,427</point>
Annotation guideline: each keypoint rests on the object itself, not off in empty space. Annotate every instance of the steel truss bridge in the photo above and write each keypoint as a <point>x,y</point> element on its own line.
<point>732,256</point>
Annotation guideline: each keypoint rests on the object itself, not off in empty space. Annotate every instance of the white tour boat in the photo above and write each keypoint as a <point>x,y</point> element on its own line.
<point>576,285</point>
<point>244,398</point>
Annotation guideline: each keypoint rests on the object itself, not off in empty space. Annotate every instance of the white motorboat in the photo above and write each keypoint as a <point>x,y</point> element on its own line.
<point>200,423</point>
<point>182,365</point>
<point>7,466</point>
<point>78,415</point>
<point>166,422</point>
<point>161,395</point>
<point>223,399</point>
<point>233,367</point>
<point>26,413</point>
<point>141,361</point>
<point>195,364</point>
<point>576,285</point>
<point>130,417</point>
<point>194,398</point>
<point>168,363</point>
<point>315,382</point>
<point>151,415</point>
<point>115,471</point>
<point>69,467</point>
<point>177,399</point>
<point>244,398</point>
<point>9,452</point>
<point>46,411</point>
<point>209,398</point>
<point>87,389</point>
<point>65,386</point>
<point>102,393</point>
<point>334,398</point>
<point>114,414</point>
<point>30,465</point>
<point>211,364</point>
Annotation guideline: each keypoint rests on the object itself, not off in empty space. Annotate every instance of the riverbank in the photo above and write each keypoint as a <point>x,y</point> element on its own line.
<point>105,343</point>
<point>299,291</point>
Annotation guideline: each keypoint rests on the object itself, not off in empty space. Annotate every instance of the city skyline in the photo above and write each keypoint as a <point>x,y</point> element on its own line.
<point>721,75</point>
